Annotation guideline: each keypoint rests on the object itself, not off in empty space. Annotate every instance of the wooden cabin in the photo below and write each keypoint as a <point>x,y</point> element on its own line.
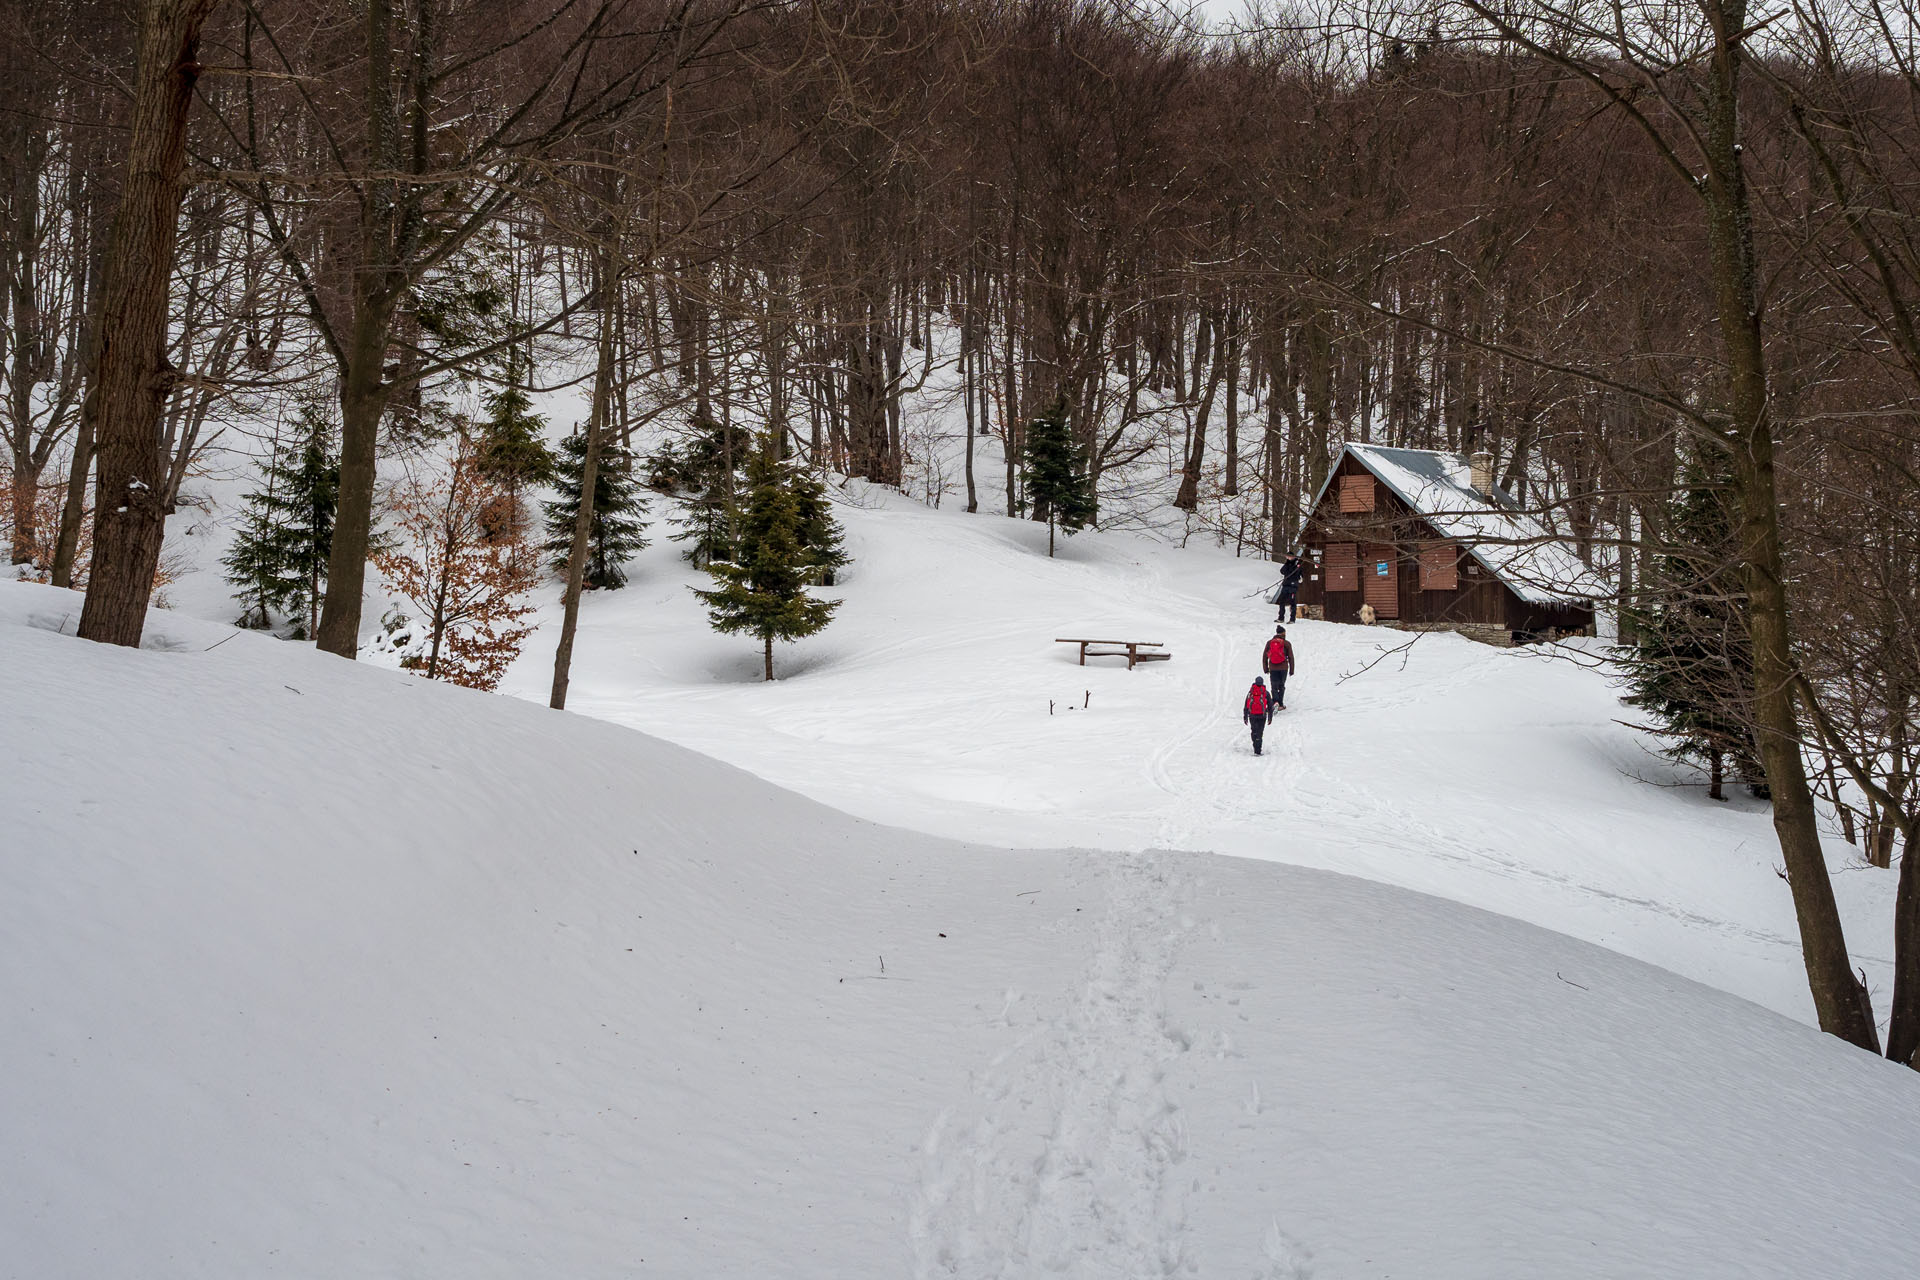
<point>1430,542</point>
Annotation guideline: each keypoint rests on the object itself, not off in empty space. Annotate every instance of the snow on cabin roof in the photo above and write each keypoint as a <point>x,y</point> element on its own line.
<point>1530,559</point>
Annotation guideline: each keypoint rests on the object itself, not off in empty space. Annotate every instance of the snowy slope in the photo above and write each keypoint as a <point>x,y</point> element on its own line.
<point>309,969</point>
<point>1499,778</point>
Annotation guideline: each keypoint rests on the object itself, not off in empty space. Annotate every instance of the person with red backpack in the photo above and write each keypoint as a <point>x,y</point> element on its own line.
<point>1257,710</point>
<point>1277,661</point>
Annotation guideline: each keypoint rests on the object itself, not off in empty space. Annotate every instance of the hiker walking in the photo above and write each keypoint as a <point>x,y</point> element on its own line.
<point>1277,661</point>
<point>1292,572</point>
<point>1257,710</point>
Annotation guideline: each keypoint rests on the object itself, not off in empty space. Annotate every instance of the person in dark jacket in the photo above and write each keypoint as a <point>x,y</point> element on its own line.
<point>1257,710</point>
<point>1292,573</point>
<point>1277,661</point>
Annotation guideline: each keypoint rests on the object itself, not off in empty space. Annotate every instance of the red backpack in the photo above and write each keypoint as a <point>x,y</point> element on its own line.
<point>1276,654</point>
<point>1257,700</point>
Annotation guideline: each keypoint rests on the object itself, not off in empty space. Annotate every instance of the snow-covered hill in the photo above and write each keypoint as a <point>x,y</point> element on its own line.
<point>310,969</point>
<point>939,701</point>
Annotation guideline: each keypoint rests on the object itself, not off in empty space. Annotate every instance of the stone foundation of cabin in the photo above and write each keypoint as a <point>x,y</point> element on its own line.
<point>1485,632</point>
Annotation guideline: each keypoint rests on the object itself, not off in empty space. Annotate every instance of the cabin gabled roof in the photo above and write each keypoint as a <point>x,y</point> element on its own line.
<point>1528,558</point>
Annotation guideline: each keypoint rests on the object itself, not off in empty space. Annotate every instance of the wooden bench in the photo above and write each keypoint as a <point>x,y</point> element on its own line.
<point>1131,650</point>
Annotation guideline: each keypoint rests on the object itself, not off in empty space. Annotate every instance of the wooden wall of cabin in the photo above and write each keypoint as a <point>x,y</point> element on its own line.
<point>1393,533</point>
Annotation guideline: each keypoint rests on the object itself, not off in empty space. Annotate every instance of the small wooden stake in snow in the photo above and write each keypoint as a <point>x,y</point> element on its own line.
<point>1049,706</point>
<point>1087,700</point>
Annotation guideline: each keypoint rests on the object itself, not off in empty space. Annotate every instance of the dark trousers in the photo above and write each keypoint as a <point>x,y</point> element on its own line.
<point>1289,608</point>
<point>1259,724</point>
<point>1277,686</point>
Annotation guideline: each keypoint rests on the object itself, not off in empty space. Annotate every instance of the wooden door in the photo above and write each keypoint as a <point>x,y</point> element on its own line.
<point>1380,580</point>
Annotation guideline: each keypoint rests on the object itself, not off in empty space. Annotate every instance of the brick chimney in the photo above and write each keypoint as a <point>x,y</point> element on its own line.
<point>1482,464</point>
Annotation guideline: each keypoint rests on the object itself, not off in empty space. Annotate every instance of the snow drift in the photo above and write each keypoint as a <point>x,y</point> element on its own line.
<point>308,969</point>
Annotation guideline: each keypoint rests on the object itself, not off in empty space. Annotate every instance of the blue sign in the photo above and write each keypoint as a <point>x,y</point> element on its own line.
<point>1380,569</point>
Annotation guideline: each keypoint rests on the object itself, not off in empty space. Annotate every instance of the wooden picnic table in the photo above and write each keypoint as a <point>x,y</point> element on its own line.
<point>1131,650</point>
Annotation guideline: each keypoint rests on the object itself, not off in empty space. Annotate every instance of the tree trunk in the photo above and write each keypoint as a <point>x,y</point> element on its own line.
<point>589,477</point>
<point>363,400</point>
<point>969,366</point>
<point>1188,496</point>
<point>1231,485</point>
<point>74,509</point>
<point>766,642</point>
<point>1903,1028</point>
<point>377,284</point>
<point>1841,1002</point>
<point>132,379</point>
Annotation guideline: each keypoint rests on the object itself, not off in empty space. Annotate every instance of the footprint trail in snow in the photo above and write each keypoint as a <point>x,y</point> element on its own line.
<point>1065,1159</point>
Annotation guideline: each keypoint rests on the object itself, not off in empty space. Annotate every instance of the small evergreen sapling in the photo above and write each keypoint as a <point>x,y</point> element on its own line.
<point>819,532</point>
<point>1688,669</point>
<point>706,475</point>
<point>618,531</point>
<point>512,451</point>
<point>513,448</point>
<point>279,561</point>
<point>763,591</point>
<point>1057,478</point>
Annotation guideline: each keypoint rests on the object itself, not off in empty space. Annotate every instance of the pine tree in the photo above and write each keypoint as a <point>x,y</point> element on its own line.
<point>763,590</point>
<point>511,454</point>
<point>279,561</point>
<point>1055,468</point>
<point>618,532</point>
<point>819,531</point>
<point>1689,666</point>
<point>705,473</point>
<point>513,450</point>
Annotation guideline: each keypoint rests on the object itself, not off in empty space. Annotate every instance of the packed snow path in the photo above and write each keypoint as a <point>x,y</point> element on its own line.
<point>1066,1157</point>
<point>937,701</point>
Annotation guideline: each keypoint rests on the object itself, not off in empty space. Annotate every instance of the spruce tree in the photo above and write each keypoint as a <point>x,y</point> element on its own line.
<point>511,455</point>
<point>1056,474</point>
<point>1689,668</point>
<point>279,561</point>
<point>763,591</point>
<point>819,532</point>
<point>706,472</point>
<point>617,532</point>
<point>513,449</point>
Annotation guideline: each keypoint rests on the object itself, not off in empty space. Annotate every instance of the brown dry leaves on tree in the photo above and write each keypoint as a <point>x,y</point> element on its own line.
<point>45,526</point>
<point>468,582</point>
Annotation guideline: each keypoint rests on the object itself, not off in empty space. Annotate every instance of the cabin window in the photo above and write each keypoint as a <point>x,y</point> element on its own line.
<point>1343,566</point>
<point>1439,567</point>
<point>1356,493</point>
<point>1380,580</point>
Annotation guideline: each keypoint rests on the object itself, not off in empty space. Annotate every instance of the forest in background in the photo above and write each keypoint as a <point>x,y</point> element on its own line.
<point>1660,259</point>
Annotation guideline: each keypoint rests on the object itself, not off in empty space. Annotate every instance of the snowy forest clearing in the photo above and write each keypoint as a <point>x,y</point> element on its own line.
<point>368,975</point>
<point>1502,779</point>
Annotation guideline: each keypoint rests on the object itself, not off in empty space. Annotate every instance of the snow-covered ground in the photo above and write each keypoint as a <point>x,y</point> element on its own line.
<point>312,969</point>
<point>938,701</point>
